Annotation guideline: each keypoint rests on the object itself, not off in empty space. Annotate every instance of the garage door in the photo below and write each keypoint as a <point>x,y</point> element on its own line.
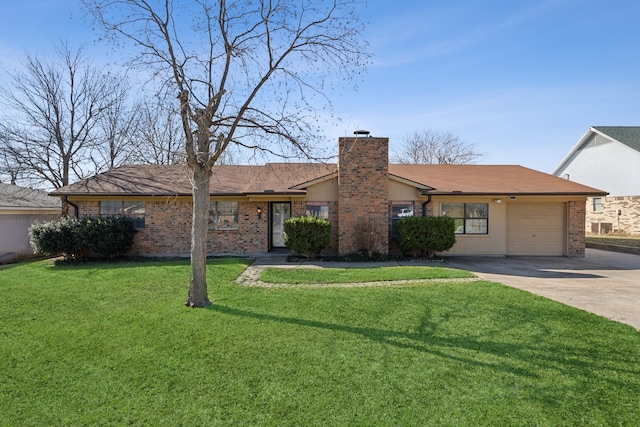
<point>536,229</point>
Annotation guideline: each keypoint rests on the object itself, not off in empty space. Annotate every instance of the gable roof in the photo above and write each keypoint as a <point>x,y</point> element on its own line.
<point>15,197</point>
<point>293,178</point>
<point>627,135</point>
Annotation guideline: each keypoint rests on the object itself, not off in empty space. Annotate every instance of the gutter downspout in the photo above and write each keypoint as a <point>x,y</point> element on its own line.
<point>424,205</point>
<point>76,209</point>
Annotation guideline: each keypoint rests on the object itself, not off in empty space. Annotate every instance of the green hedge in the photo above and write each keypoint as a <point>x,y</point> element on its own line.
<point>423,236</point>
<point>64,236</point>
<point>307,235</point>
<point>73,238</point>
<point>110,236</point>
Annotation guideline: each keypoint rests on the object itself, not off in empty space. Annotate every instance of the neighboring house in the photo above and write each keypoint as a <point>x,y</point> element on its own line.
<point>608,157</point>
<point>19,208</point>
<point>499,210</point>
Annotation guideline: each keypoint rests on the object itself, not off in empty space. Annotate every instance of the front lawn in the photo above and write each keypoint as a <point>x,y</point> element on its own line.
<point>112,344</point>
<point>358,275</point>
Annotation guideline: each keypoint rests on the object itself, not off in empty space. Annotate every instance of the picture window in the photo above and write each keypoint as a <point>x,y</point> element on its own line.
<point>470,218</point>
<point>130,209</point>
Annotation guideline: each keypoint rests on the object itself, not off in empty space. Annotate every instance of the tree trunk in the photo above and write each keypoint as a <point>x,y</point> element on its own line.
<point>198,296</point>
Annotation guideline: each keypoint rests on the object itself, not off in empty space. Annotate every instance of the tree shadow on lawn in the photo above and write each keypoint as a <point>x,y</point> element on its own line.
<point>565,358</point>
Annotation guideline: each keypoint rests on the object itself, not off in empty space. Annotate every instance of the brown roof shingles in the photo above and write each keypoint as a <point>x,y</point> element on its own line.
<point>279,178</point>
<point>489,179</point>
<point>173,180</point>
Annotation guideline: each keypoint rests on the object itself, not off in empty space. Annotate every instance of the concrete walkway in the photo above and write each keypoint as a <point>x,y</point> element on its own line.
<point>604,283</point>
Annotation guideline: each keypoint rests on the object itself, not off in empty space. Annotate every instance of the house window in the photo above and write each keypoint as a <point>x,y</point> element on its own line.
<point>319,209</point>
<point>130,209</point>
<point>399,210</point>
<point>223,215</point>
<point>597,204</point>
<point>470,218</point>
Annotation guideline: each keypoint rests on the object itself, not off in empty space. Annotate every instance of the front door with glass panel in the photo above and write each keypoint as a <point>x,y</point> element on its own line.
<point>279,213</point>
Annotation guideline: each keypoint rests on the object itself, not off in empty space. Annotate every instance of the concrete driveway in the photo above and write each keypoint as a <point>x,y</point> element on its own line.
<point>604,283</point>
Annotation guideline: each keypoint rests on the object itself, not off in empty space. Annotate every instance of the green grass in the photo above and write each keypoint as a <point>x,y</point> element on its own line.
<point>357,275</point>
<point>615,240</point>
<point>112,344</point>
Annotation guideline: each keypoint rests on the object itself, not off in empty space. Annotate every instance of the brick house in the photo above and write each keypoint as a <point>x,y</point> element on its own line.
<point>499,210</point>
<point>608,157</point>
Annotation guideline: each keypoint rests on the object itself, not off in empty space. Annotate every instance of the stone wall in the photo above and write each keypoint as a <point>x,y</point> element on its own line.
<point>608,220</point>
<point>363,195</point>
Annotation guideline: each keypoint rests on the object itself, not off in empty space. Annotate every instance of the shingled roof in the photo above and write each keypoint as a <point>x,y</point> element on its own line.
<point>173,180</point>
<point>489,179</point>
<point>289,178</point>
<point>15,197</point>
<point>628,135</point>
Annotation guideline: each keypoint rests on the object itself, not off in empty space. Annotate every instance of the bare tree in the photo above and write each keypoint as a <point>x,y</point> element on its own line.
<point>10,170</point>
<point>244,72</point>
<point>159,138</point>
<point>116,132</point>
<point>431,147</point>
<point>52,114</point>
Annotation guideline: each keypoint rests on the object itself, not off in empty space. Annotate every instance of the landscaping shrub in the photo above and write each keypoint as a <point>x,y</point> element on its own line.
<point>307,235</point>
<point>420,236</point>
<point>59,237</point>
<point>111,236</point>
<point>73,238</point>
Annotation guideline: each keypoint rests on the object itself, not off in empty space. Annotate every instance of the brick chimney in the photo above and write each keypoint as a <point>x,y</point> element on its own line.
<point>363,194</point>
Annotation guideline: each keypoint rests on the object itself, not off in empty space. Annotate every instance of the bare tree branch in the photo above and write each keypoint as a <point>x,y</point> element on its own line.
<point>431,147</point>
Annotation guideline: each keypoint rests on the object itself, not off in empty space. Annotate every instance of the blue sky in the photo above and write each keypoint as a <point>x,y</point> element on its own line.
<point>521,80</point>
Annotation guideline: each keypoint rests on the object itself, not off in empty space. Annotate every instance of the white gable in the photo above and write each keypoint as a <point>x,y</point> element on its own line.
<point>600,162</point>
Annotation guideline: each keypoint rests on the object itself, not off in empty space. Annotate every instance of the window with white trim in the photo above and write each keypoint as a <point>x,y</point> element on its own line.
<point>597,204</point>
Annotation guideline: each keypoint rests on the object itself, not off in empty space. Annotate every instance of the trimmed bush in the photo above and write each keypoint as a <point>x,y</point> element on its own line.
<point>73,238</point>
<point>423,236</point>
<point>307,235</point>
<point>59,237</point>
<point>111,236</point>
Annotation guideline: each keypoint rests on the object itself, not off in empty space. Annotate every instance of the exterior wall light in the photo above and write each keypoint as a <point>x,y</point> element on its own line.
<point>497,201</point>
<point>259,212</point>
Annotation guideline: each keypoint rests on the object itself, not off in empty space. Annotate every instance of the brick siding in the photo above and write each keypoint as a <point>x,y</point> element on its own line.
<point>576,215</point>
<point>363,195</point>
<point>168,228</point>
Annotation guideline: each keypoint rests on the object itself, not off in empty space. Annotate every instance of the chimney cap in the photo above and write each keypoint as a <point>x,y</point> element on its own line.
<point>361,132</point>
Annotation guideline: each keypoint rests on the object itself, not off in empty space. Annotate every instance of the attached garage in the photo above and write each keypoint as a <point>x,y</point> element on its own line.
<point>537,229</point>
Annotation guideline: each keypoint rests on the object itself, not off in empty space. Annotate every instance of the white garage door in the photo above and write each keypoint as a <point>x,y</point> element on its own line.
<point>536,229</point>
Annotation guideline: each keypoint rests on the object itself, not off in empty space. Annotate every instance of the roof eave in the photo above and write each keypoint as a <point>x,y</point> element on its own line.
<point>575,148</point>
<point>323,178</point>
<point>522,194</point>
